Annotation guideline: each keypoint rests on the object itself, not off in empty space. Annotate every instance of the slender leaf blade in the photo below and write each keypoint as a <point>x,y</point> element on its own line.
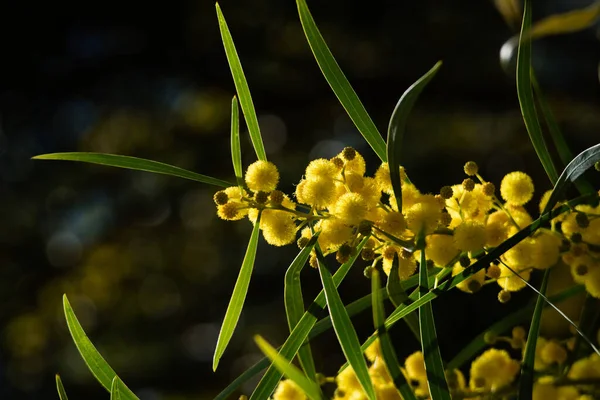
<point>387,349</point>
<point>344,330</point>
<point>398,296</point>
<point>241,86</point>
<point>397,127</point>
<point>95,362</point>
<point>525,94</point>
<point>310,388</point>
<point>116,389</point>
<point>434,365</point>
<point>135,163</point>
<point>236,150</point>
<point>526,380</point>
<point>339,83</point>
<point>294,303</point>
<point>568,22</point>
<point>238,297</point>
<point>62,394</point>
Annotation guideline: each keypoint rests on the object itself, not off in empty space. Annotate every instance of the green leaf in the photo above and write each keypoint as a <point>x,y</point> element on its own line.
<point>294,303</point>
<point>290,347</point>
<point>398,296</point>
<point>525,94</point>
<point>526,380</point>
<point>339,83</point>
<point>477,345</point>
<point>236,303</point>
<point>236,151</point>
<point>95,362</point>
<point>344,330</point>
<point>434,365</point>
<point>310,388</point>
<point>565,154</point>
<point>584,161</point>
<point>117,389</point>
<point>397,127</point>
<point>241,86</point>
<point>62,395</point>
<point>387,349</point>
<point>569,22</point>
<point>139,164</point>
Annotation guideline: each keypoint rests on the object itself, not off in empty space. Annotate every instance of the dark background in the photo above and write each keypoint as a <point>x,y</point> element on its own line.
<point>146,263</point>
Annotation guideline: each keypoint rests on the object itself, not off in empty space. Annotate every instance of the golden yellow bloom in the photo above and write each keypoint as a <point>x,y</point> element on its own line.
<point>473,283</point>
<point>495,233</point>
<point>350,208</point>
<point>318,191</point>
<point>382,178</point>
<point>546,250</point>
<point>553,353</point>
<point>347,380</point>
<point>585,368</point>
<point>406,265</point>
<point>415,366</point>
<point>321,168</point>
<point>373,351</point>
<point>392,222</point>
<point>262,175</point>
<point>334,233</point>
<point>357,164</point>
<point>547,391</point>
<point>288,390</point>
<point>511,282</point>
<point>231,211</point>
<point>520,256</point>
<point>516,188</point>
<point>469,236</point>
<point>441,249</point>
<point>279,228</point>
<point>387,392</point>
<point>424,215</point>
<point>493,370</point>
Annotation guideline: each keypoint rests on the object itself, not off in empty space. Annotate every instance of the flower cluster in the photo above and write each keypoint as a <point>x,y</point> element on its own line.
<point>460,224</point>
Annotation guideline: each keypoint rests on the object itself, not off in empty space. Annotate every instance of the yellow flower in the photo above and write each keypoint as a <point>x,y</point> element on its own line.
<point>546,251</point>
<point>288,390</point>
<point>441,249</point>
<point>493,370</point>
<point>516,188</point>
<point>392,222</point>
<point>511,282</point>
<point>469,236</point>
<point>473,283</point>
<point>406,266</point>
<point>279,228</point>
<point>334,233</point>
<point>424,215</point>
<point>321,168</point>
<point>373,351</point>
<point>347,380</point>
<point>318,191</point>
<point>350,208</point>
<point>262,176</point>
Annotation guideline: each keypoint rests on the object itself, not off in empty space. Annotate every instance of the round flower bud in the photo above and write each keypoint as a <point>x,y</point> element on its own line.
<point>349,153</point>
<point>230,211</point>
<point>262,175</point>
<point>364,228</point>
<point>276,197</point>
<point>261,197</point>
<point>576,237</point>
<point>446,218</point>
<point>488,189</point>
<point>493,271</point>
<point>516,188</point>
<point>490,337</point>
<point>367,254</point>
<point>518,332</point>
<point>504,296</point>
<point>446,192</point>
<point>464,261</point>
<point>343,254</point>
<point>597,165</point>
<point>468,184</point>
<point>471,168</point>
<point>220,198</point>
<point>313,262</point>
<point>302,242</point>
<point>337,162</point>
<point>582,220</point>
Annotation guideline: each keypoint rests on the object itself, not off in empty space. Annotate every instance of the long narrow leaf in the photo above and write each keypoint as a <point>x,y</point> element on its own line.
<point>62,395</point>
<point>525,94</point>
<point>434,365</point>
<point>344,330</point>
<point>397,126</point>
<point>387,349</point>
<point>526,380</point>
<point>95,362</point>
<point>290,347</point>
<point>294,303</point>
<point>241,86</point>
<point>584,161</point>
<point>310,388</point>
<point>236,303</point>
<point>564,153</point>
<point>236,151</point>
<point>569,22</point>
<point>135,163</point>
<point>398,296</point>
<point>117,389</point>
<point>339,83</point>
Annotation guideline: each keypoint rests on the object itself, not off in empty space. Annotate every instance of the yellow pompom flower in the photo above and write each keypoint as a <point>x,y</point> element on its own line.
<point>262,176</point>
<point>495,233</point>
<point>470,236</point>
<point>321,168</point>
<point>392,222</point>
<point>516,188</point>
<point>347,381</point>
<point>441,249</point>
<point>585,368</point>
<point>387,392</point>
<point>406,266</point>
<point>318,192</point>
<point>373,351</point>
<point>415,366</point>
<point>357,164</point>
<point>473,283</point>
<point>425,215</point>
<point>544,200</point>
<point>350,208</point>
<point>279,228</point>
<point>288,390</point>
<point>519,215</point>
<point>300,191</point>
<point>511,282</point>
<point>370,192</point>
<point>521,255</point>
<point>553,353</point>
<point>231,211</point>
<point>493,370</point>
<point>543,390</point>
<point>382,178</point>
<point>334,233</point>
<point>592,281</point>
<point>546,251</point>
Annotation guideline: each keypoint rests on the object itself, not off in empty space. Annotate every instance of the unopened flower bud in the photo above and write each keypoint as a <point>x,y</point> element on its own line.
<point>582,220</point>
<point>220,198</point>
<point>504,296</point>
<point>471,168</point>
<point>261,197</point>
<point>494,271</point>
<point>446,192</point>
<point>344,253</point>
<point>490,337</point>
<point>302,242</point>
<point>364,228</point>
<point>313,262</point>
<point>468,184</point>
<point>338,162</point>
<point>576,237</point>
<point>276,197</point>
<point>367,254</point>
<point>464,261</point>
<point>348,153</point>
<point>489,188</point>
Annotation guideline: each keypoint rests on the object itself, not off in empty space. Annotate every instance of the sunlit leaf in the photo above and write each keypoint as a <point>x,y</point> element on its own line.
<point>525,94</point>
<point>569,22</point>
<point>339,83</point>
<point>309,387</point>
<point>434,365</point>
<point>387,349</point>
<point>241,86</point>
<point>397,126</point>
<point>62,395</point>
<point>238,297</point>
<point>117,389</point>
<point>344,330</point>
<point>398,296</point>
<point>95,362</point>
<point>236,151</point>
<point>140,164</point>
